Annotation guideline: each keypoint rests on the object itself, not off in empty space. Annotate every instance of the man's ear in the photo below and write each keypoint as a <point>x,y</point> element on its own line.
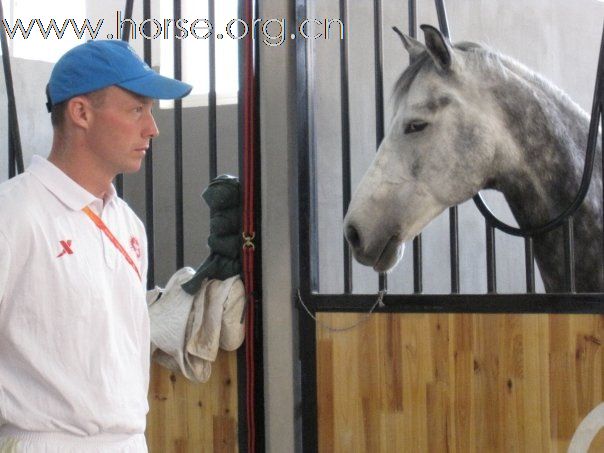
<point>78,111</point>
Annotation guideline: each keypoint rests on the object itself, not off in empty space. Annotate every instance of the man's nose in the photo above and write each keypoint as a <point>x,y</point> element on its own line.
<point>151,130</point>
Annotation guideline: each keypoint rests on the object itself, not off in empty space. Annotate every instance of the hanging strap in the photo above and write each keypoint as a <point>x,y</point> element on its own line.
<point>248,230</point>
<point>99,223</point>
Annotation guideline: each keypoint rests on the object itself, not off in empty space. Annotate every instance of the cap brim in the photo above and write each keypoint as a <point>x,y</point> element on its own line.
<point>157,86</point>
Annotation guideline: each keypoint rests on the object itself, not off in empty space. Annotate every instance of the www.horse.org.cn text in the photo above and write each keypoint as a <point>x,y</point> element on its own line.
<point>272,32</point>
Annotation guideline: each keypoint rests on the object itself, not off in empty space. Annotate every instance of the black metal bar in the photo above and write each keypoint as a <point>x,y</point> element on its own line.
<point>212,123</point>
<point>15,154</point>
<point>491,259</point>
<point>178,160</point>
<point>461,303</point>
<point>307,351</point>
<point>126,26</point>
<point>241,352</point>
<point>149,198</point>
<point>443,23</point>
<point>569,255</point>
<point>454,249</point>
<point>307,275</point>
<point>529,260</point>
<point>417,265</point>
<point>258,334</point>
<point>127,15</point>
<point>412,18</point>
<point>379,94</point>
<point>453,212</point>
<point>345,122</point>
<point>417,242</point>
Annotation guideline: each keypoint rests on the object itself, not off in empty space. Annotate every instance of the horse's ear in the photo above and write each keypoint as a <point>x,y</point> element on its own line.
<point>438,46</point>
<point>413,46</point>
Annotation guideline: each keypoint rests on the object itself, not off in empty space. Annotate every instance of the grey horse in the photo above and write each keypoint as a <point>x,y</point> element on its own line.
<point>465,119</point>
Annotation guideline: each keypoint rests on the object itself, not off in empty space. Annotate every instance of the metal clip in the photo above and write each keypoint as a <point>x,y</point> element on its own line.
<point>248,241</point>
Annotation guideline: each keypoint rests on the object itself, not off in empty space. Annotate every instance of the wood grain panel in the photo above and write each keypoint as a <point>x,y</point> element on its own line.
<point>457,382</point>
<point>185,417</point>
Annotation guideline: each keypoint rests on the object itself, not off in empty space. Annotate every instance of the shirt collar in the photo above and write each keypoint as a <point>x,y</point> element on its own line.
<point>63,187</point>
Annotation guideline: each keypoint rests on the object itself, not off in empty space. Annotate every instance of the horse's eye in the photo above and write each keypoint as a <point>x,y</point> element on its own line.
<point>415,126</point>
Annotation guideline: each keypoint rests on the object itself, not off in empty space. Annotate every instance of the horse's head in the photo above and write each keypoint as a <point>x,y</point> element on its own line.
<point>438,152</point>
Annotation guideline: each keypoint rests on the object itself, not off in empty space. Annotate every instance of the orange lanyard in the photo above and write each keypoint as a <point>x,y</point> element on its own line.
<point>99,223</point>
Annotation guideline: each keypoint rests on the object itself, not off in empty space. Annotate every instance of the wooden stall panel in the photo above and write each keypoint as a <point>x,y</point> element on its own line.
<point>185,417</point>
<point>457,382</point>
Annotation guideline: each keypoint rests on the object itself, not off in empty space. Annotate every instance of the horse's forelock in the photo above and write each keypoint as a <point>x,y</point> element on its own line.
<point>401,87</point>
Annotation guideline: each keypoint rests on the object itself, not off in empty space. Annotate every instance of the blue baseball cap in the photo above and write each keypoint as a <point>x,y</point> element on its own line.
<point>101,63</point>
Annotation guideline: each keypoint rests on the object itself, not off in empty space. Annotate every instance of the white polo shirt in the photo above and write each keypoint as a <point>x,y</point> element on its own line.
<point>74,326</point>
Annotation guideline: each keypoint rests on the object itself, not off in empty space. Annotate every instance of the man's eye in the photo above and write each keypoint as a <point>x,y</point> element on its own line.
<point>415,126</point>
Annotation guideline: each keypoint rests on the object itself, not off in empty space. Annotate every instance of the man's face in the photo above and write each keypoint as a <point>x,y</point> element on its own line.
<point>121,127</point>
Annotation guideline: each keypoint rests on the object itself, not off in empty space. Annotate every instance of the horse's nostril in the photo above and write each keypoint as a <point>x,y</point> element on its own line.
<point>352,235</point>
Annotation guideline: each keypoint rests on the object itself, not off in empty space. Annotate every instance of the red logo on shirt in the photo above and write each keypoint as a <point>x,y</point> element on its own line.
<point>66,248</point>
<point>134,245</point>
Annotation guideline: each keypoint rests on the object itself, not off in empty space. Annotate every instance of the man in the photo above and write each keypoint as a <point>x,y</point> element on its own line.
<point>74,328</point>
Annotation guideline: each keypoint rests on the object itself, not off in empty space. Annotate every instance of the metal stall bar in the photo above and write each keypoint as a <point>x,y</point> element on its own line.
<point>149,199</point>
<point>306,277</point>
<point>212,124</point>
<point>417,241</point>
<point>126,25</point>
<point>569,255</point>
<point>379,95</point>
<point>15,154</point>
<point>453,212</point>
<point>178,161</point>
<point>491,263</point>
<point>529,264</point>
<point>345,121</point>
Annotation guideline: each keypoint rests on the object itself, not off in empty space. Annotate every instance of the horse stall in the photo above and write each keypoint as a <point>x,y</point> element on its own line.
<point>202,136</point>
<point>487,336</point>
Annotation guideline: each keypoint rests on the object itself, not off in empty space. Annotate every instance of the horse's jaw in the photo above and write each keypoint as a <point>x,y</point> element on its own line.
<point>377,236</point>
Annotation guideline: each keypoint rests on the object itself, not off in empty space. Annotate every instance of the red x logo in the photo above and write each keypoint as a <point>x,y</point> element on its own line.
<point>66,248</point>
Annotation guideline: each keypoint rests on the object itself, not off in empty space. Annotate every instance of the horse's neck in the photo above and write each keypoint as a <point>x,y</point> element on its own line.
<point>549,133</point>
<point>549,136</point>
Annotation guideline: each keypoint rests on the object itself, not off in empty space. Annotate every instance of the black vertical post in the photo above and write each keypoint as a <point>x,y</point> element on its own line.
<point>569,255</point>
<point>491,259</point>
<point>212,133</point>
<point>412,13</point>
<point>453,212</point>
<point>454,249</point>
<point>15,154</point>
<point>417,241</point>
<point>178,160</point>
<point>119,179</point>
<point>379,94</point>
<point>443,22</point>
<point>126,26</point>
<point>149,199</point>
<point>529,264</point>
<point>345,121</point>
<point>307,275</point>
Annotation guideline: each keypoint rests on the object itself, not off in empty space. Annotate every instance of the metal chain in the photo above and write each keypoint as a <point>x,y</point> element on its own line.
<point>379,302</point>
